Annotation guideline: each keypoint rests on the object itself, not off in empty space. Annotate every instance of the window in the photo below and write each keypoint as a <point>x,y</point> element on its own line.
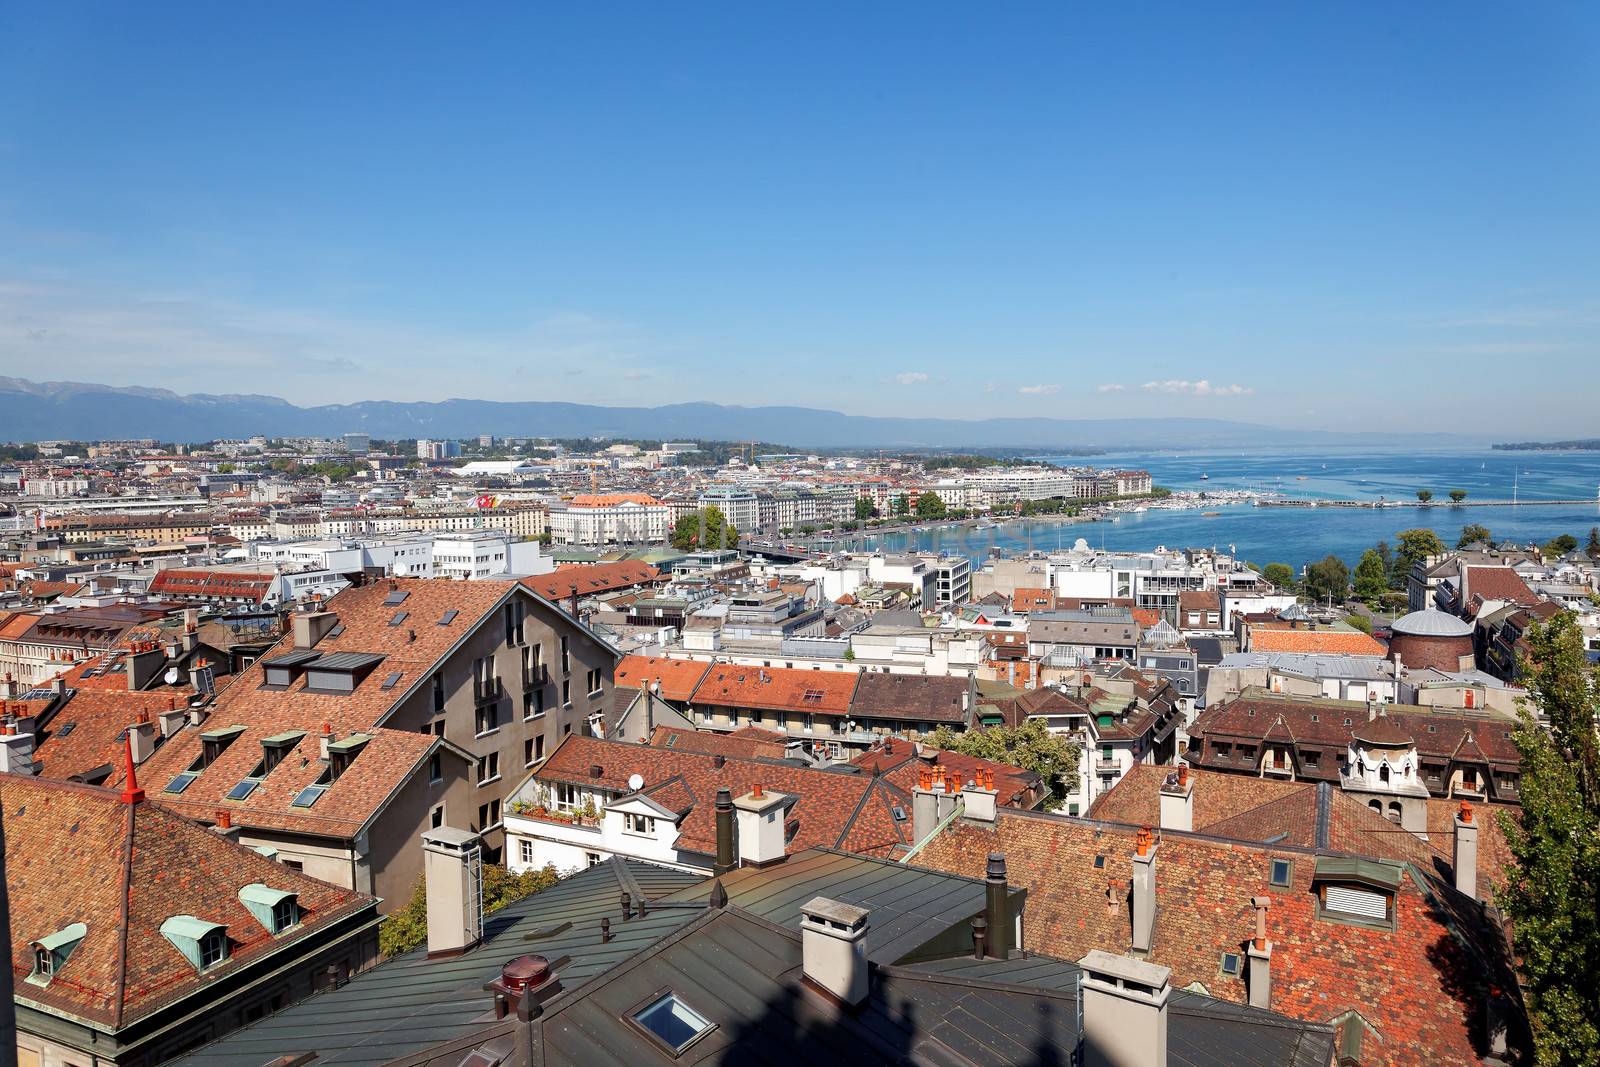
<point>594,681</point>
<point>489,768</point>
<point>527,753</point>
<point>567,795</point>
<point>538,748</point>
<point>436,817</point>
<point>1099,862</point>
<point>566,693</point>
<point>566,655</point>
<point>638,824</point>
<point>591,859</point>
<point>672,1022</point>
<point>285,914</point>
<point>435,769</point>
<point>213,949</point>
<point>1230,964</point>
<point>487,718</point>
<point>514,621</point>
<point>1282,873</point>
<point>438,692</point>
<point>525,851</point>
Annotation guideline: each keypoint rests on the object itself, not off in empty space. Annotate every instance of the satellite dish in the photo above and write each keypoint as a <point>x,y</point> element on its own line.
<point>172,676</point>
<point>635,782</point>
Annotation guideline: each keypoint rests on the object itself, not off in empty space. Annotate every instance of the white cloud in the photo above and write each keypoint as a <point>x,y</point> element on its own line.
<point>1110,387</point>
<point>911,377</point>
<point>1039,390</point>
<point>1183,387</point>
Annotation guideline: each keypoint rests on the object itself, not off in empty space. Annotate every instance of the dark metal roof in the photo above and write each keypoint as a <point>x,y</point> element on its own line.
<point>292,659</point>
<point>411,1003</point>
<point>347,661</point>
<point>910,906</point>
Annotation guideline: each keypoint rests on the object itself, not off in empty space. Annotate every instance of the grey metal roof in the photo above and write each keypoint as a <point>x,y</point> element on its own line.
<point>910,906</point>
<point>1431,622</point>
<point>292,659</point>
<point>347,661</point>
<point>411,1003</point>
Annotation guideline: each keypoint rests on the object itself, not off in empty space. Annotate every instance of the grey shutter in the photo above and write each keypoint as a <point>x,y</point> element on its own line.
<point>1363,902</point>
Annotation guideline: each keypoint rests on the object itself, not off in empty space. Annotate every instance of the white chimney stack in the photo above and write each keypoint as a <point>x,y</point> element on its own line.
<point>1124,1011</point>
<point>16,751</point>
<point>833,948</point>
<point>1177,801</point>
<point>979,797</point>
<point>1258,977</point>
<point>1144,891</point>
<point>453,871</point>
<point>759,814</point>
<point>1465,860</point>
<point>142,739</point>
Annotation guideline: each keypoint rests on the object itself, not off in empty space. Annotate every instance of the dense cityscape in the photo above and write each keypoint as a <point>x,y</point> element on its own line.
<point>648,535</point>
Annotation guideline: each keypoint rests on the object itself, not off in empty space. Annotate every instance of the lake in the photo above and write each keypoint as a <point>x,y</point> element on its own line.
<point>1300,535</point>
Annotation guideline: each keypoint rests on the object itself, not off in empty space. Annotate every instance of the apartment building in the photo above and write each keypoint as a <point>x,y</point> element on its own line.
<point>610,518</point>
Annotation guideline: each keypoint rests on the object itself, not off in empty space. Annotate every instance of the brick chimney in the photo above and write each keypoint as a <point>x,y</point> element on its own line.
<point>224,827</point>
<point>724,815</point>
<point>1124,1011</point>
<point>1465,861</point>
<point>453,871</point>
<point>833,948</point>
<point>1177,801</point>
<point>1258,976</point>
<point>759,814</point>
<point>979,797</point>
<point>1144,890</point>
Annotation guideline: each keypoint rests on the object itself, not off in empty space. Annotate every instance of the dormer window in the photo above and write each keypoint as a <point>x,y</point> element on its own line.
<point>274,748</point>
<point>343,752</point>
<point>275,909</point>
<point>283,670</point>
<point>203,943</point>
<point>50,953</point>
<point>340,672</point>
<point>1357,891</point>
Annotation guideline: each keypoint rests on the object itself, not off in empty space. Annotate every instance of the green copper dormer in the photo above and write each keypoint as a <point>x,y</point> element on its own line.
<point>50,953</point>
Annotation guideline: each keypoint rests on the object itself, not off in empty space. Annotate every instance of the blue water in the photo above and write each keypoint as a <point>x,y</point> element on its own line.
<point>1300,535</point>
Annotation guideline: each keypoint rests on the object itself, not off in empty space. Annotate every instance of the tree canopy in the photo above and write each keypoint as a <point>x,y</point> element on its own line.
<point>1551,893</point>
<point>1458,495</point>
<point>1424,495</point>
<point>1372,578</point>
<point>865,509</point>
<point>1328,579</point>
<point>718,532</point>
<point>1473,532</point>
<point>1416,545</point>
<point>930,505</point>
<point>1029,746</point>
<point>406,928</point>
<point>1280,575</point>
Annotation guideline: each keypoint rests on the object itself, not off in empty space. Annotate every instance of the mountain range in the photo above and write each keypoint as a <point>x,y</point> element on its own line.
<point>34,411</point>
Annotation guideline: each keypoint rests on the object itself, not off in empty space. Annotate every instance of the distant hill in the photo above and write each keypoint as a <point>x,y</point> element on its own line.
<point>1587,444</point>
<point>33,411</point>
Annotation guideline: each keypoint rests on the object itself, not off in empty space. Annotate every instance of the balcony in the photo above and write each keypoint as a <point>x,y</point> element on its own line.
<point>487,691</point>
<point>533,679</point>
<point>1106,766</point>
<point>1278,766</point>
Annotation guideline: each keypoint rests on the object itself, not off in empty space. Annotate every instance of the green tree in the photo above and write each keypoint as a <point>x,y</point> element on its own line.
<point>1360,622</point>
<point>1551,894</point>
<point>1560,545</point>
<point>407,927</point>
<point>1416,545</point>
<point>1029,746</point>
<point>1424,495</point>
<point>1476,531</point>
<point>1328,579</point>
<point>902,505</point>
<point>1593,548</point>
<point>930,505</point>
<point>718,532</point>
<point>1371,577</point>
<point>865,509</point>
<point>1280,575</point>
<point>1457,495</point>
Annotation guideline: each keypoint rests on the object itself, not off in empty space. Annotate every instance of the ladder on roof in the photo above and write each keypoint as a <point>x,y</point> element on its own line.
<point>475,895</point>
<point>1077,1048</point>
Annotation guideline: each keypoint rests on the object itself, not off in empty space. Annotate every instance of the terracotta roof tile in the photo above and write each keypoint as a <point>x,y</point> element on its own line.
<point>776,688</point>
<point>678,677</point>
<point>1329,642</point>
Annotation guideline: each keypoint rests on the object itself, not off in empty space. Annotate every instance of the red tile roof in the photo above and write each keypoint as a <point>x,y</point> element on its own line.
<point>776,688</point>
<point>1421,986</point>
<point>678,677</point>
<point>899,762</point>
<point>772,746</point>
<point>76,853</point>
<point>590,579</point>
<point>1327,642</point>
<point>853,812</point>
<point>85,733</point>
<point>212,582</point>
<point>1499,583</point>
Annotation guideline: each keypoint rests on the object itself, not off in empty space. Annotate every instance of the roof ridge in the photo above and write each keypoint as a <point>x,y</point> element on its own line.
<point>124,905</point>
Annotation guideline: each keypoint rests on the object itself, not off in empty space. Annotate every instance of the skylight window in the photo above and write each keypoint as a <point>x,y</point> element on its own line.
<point>399,617</point>
<point>672,1022</point>
<point>66,728</point>
<point>448,617</point>
<point>245,787</point>
<point>308,796</point>
<point>392,680</point>
<point>1230,964</point>
<point>1282,870</point>
<point>395,598</point>
<point>180,782</point>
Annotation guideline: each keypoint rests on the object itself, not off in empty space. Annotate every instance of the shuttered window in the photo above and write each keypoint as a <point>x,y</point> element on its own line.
<point>1362,902</point>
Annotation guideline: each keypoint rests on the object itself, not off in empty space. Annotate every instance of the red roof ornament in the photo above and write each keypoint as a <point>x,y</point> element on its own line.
<point>131,793</point>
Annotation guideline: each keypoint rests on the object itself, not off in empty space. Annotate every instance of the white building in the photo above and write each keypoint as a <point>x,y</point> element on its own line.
<point>609,519</point>
<point>486,554</point>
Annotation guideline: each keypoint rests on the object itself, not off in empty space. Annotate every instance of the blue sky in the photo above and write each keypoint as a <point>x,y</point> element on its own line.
<point>1353,218</point>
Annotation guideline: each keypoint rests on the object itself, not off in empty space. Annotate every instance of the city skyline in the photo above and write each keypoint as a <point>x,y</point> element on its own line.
<point>1279,218</point>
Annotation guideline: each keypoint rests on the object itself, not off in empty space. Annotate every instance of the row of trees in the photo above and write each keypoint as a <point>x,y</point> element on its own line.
<point>1456,495</point>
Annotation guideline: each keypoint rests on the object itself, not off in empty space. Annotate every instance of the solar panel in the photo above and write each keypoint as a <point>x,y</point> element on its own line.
<point>180,782</point>
<point>308,796</point>
<point>243,789</point>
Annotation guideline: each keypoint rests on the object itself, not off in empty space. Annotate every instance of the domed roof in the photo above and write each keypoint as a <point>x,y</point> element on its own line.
<point>1382,732</point>
<point>1431,622</point>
